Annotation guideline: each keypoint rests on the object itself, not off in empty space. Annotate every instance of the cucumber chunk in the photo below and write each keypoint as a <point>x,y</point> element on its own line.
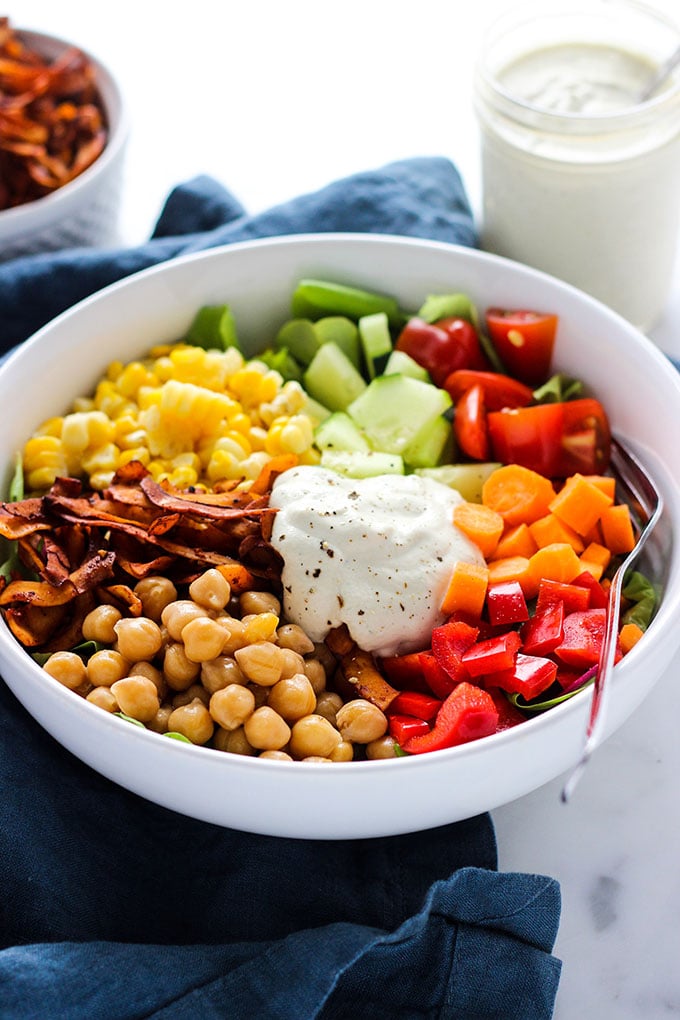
<point>395,410</point>
<point>399,362</point>
<point>467,479</point>
<point>432,445</point>
<point>300,338</point>
<point>314,298</point>
<point>362,464</point>
<point>445,306</point>
<point>376,341</point>
<point>332,379</point>
<point>339,432</point>
<point>340,330</point>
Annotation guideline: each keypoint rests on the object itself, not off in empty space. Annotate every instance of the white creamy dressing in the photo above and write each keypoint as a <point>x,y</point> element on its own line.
<point>579,78</point>
<point>375,554</point>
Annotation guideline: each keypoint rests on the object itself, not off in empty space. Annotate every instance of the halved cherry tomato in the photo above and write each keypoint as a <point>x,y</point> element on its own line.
<point>524,341</point>
<point>469,424</point>
<point>556,440</point>
<point>499,390</point>
<point>442,347</point>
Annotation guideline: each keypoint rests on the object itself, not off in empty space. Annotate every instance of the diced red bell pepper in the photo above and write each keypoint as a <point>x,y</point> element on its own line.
<point>439,682</point>
<point>421,706</point>
<point>530,676</point>
<point>403,727</point>
<point>492,655</point>
<point>508,714</point>
<point>404,672</point>
<point>467,714</point>
<point>544,631</point>
<point>469,424</point>
<point>449,642</point>
<point>506,604</point>
<point>574,597</point>
<point>583,636</point>
<point>598,596</point>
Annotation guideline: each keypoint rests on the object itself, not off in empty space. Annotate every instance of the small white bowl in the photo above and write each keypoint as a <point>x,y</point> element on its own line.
<point>84,212</point>
<point>360,799</point>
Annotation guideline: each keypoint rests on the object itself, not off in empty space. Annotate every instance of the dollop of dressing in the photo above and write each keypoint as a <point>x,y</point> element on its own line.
<point>375,554</point>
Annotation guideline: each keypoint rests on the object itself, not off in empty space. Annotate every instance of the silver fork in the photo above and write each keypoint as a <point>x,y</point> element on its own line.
<point>647,505</point>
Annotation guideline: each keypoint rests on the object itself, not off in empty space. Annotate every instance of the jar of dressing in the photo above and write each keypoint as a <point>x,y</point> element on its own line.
<point>580,178</point>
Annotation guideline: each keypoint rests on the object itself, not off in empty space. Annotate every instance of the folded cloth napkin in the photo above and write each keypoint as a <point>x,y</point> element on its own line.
<point>113,907</point>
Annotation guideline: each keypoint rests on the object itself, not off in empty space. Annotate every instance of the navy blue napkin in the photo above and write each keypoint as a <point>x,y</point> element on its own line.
<point>112,907</point>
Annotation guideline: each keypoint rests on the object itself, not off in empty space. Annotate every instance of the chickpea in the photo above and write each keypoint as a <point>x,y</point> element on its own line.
<point>203,639</point>
<point>290,635</point>
<point>232,741</point>
<point>178,614</point>
<point>156,593</point>
<point>361,722</point>
<point>328,704</point>
<point>313,735</point>
<point>325,656</point>
<point>261,694</point>
<point>159,723</point>
<point>103,697</point>
<point>276,755</point>
<point>211,590</point>
<point>220,672</point>
<point>193,721</point>
<point>68,668</point>
<point>292,697</point>
<point>98,625</point>
<point>138,638</point>
<point>179,671</point>
<point>153,673</point>
<point>259,602</point>
<point>231,706</point>
<point>137,697</point>
<point>265,730</point>
<point>344,751</point>
<point>105,667</point>
<point>260,627</point>
<point>186,697</point>
<point>383,747</point>
<point>234,634</point>
<point>316,673</point>
<point>291,662</point>
<point>261,663</point>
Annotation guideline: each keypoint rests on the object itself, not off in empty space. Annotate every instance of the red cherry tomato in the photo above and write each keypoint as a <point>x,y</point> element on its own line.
<point>556,440</point>
<point>469,424</point>
<point>499,390</point>
<point>443,346</point>
<point>524,341</point>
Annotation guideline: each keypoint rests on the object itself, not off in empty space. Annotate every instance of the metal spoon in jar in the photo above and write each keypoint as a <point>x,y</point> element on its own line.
<point>659,76</point>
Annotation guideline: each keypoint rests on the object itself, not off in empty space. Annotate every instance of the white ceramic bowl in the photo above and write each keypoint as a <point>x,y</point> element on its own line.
<point>358,799</point>
<point>86,210</point>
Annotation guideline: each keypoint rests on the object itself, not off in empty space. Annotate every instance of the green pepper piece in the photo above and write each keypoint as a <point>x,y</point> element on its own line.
<point>213,327</point>
<point>314,299</point>
<point>446,306</point>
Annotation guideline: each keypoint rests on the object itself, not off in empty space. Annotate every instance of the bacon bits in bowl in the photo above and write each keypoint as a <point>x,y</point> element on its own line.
<point>297,542</point>
<point>62,139</point>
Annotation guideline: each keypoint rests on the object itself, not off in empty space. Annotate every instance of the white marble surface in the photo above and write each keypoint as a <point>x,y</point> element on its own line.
<point>276,98</point>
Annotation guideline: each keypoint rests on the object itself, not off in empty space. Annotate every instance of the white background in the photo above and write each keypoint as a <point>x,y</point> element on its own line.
<point>278,98</point>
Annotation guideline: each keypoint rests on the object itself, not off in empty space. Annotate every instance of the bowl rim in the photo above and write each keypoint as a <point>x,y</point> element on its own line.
<point>25,219</point>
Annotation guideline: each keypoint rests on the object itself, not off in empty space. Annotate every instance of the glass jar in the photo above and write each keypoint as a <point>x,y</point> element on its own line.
<point>580,179</point>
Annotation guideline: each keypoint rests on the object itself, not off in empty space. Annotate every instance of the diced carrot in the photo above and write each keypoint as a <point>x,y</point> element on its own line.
<point>603,482</point>
<point>466,590</point>
<point>514,568</point>
<point>516,540</point>
<point>550,529</point>
<point>557,562</point>
<point>596,569</point>
<point>595,552</point>
<point>482,525</point>
<point>594,535</point>
<point>580,504</point>
<point>617,528</point>
<point>629,635</point>
<point>518,494</point>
